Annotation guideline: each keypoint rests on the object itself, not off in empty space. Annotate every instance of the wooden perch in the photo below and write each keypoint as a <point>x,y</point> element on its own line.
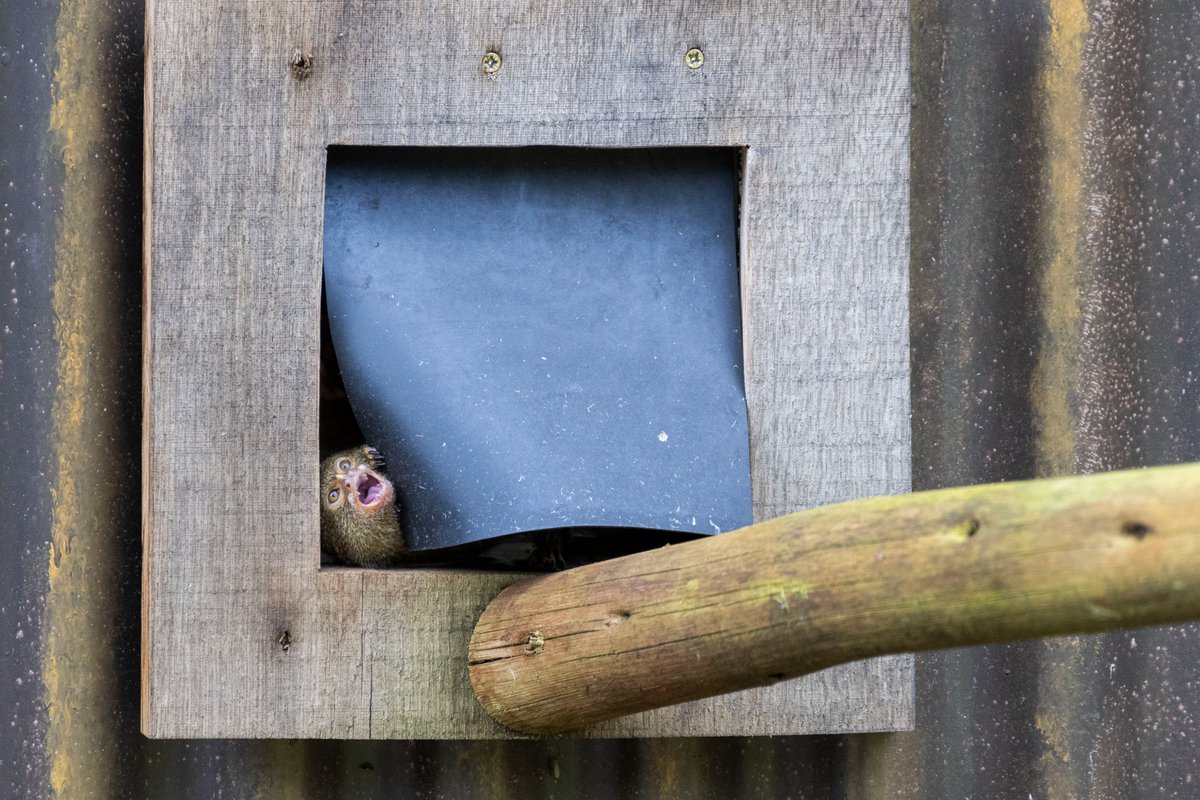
<point>834,584</point>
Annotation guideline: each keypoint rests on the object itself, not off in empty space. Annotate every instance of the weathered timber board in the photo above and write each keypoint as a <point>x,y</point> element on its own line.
<point>817,92</point>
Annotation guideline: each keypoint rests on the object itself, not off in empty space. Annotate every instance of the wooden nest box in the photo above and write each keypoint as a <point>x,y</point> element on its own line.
<point>244,633</point>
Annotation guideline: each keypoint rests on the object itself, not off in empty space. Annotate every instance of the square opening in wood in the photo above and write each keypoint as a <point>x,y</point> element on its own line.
<point>545,343</point>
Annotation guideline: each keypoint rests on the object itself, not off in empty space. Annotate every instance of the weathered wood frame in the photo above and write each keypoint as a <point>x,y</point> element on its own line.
<point>243,634</point>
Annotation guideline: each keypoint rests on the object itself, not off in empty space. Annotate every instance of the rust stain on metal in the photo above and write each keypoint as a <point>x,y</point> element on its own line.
<point>282,771</point>
<point>78,660</point>
<point>1054,375</point>
<point>1062,696</point>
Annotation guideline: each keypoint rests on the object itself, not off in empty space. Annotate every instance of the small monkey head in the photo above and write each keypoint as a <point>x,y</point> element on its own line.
<point>358,509</point>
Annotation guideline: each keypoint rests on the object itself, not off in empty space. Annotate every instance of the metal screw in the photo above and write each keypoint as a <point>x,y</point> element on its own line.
<point>492,62</point>
<point>694,58</point>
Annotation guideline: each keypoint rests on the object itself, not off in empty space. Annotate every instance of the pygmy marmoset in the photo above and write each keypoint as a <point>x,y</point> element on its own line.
<point>359,525</point>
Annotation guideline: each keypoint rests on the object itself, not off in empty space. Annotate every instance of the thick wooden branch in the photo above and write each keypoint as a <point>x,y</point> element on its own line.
<point>834,584</point>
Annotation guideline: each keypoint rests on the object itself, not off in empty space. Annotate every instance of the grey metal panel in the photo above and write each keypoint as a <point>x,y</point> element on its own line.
<point>1055,296</point>
<point>29,180</point>
<point>1101,717</point>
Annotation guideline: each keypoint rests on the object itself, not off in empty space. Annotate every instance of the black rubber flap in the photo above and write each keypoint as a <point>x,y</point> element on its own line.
<point>543,337</point>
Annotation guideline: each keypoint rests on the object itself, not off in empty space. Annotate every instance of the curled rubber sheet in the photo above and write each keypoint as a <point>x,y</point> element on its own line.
<point>542,338</point>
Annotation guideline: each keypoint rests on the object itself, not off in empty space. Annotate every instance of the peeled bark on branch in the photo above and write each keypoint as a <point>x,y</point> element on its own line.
<point>821,587</point>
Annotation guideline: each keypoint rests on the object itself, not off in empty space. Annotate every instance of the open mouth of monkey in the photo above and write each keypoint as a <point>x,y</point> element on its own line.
<point>370,489</point>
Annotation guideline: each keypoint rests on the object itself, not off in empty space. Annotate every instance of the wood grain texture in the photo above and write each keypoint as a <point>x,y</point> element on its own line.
<point>819,587</point>
<point>817,92</point>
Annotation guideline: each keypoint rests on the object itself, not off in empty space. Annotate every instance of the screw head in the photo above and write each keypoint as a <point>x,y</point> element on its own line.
<point>694,58</point>
<point>492,62</point>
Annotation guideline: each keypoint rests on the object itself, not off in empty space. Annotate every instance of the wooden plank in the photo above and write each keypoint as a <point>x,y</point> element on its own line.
<point>817,92</point>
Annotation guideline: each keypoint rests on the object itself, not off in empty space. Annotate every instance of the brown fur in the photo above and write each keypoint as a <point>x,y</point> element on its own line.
<point>351,532</point>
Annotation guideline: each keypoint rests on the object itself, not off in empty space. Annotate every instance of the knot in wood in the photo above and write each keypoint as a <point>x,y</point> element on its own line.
<point>301,64</point>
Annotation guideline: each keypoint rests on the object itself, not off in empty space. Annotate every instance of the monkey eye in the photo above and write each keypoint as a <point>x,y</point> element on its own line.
<point>343,465</point>
<point>333,495</point>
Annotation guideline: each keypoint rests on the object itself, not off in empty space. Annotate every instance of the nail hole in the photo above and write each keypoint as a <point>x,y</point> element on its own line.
<point>1138,530</point>
<point>301,65</point>
<point>285,640</point>
<point>619,616</point>
<point>965,529</point>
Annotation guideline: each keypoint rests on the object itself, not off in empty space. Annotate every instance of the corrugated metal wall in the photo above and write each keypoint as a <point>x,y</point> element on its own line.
<point>1056,328</point>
